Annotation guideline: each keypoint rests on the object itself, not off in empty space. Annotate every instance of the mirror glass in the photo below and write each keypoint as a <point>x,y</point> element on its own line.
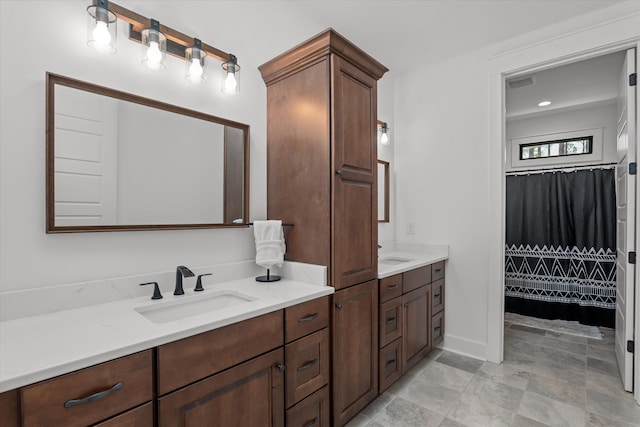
<point>383,191</point>
<point>116,161</point>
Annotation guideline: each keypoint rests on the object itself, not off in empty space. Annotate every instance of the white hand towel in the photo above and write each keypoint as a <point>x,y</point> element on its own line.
<point>270,245</point>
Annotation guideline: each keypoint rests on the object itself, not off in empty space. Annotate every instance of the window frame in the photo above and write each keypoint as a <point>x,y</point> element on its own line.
<point>523,146</point>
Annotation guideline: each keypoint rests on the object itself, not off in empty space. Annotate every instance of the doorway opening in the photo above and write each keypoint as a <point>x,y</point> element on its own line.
<point>570,202</point>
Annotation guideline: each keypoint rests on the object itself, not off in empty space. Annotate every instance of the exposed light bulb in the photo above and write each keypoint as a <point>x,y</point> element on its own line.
<point>230,83</point>
<point>154,56</point>
<point>195,71</point>
<point>101,34</point>
<point>384,138</point>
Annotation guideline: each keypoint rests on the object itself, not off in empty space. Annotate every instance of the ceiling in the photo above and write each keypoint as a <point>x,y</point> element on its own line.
<point>402,34</point>
<point>579,85</point>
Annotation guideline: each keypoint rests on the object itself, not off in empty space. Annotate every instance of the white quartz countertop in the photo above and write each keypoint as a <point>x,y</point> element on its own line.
<point>43,346</point>
<point>404,257</point>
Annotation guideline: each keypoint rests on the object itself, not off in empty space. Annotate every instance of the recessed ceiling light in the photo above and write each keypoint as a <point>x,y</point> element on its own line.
<point>544,103</point>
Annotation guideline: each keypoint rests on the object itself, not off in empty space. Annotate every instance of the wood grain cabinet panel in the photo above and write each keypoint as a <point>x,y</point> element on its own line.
<point>191,359</point>
<point>138,417</point>
<point>355,350</point>
<point>314,411</point>
<point>250,394</point>
<point>390,321</point>
<point>305,318</point>
<point>413,279</point>
<point>390,364</point>
<point>10,409</point>
<point>416,333</point>
<point>390,287</point>
<point>121,384</point>
<point>307,366</point>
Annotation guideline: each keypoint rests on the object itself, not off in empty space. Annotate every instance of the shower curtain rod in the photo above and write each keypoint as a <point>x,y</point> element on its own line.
<point>563,169</point>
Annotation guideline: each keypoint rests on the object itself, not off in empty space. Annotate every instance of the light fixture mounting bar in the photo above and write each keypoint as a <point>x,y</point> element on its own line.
<point>176,41</point>
<point>382,124</point>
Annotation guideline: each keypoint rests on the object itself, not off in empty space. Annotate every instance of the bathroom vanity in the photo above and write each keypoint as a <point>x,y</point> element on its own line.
<point>117,365</point>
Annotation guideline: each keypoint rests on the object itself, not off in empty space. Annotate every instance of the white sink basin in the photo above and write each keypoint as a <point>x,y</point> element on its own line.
<point>393,260</point>
<point>169,311</point>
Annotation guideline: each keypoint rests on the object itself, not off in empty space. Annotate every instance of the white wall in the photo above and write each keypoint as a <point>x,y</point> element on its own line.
<point>56,42</point>
<point>603,117</point>
<point>387,230</point>
<point>447,166</point>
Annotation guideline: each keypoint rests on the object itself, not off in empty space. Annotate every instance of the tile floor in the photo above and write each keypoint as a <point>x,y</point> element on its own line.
<point>546,379</point>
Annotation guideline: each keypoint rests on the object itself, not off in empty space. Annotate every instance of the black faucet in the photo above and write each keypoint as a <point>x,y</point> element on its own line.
<point>181,270</point>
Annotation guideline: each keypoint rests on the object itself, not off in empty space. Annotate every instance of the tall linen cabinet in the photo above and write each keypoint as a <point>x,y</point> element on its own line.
<point>321,177</point>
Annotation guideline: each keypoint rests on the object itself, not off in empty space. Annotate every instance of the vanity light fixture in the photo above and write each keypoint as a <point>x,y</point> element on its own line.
<point>158,40</point>
<point>384,133</point>
<point>101,27</point>
<point>154,47</point>
<point>544,103</point>
<point>195,68</point>
<point>231,76</point>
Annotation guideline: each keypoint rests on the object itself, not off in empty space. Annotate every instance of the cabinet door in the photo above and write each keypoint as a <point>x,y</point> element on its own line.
<point>416,342</point>
<point>251,394</point>
<point>355,350</point>
<point>355,210</point>
<point>9,409</point>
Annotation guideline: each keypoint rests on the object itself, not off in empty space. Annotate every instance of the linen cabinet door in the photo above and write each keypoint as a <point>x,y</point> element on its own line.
<point>250,394</point>
<point>355,211</point>
<point>416,340</point>
<point>355,350</point>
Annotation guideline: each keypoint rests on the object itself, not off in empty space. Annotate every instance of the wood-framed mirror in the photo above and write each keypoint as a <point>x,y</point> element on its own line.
<point>383,191</point>
<point>117,161</point>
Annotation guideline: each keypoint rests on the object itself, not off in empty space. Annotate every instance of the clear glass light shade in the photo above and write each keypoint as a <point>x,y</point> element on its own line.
<point>195,69</point>
<point>154,49</point>
<point>101,29</point>
<point>231,77</point>
<point>384,136</point>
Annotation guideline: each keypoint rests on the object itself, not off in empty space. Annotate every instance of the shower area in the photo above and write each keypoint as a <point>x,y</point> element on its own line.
<point>564,172</point>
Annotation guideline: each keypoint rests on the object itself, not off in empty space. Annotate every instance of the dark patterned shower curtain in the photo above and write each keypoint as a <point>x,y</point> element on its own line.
<point>561,246</point>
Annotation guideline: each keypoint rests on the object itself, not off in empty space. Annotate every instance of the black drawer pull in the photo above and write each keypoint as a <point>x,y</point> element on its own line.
<point>393,287</point>
<point>436,295</point>
<point>436,329</point>
<point>309,318</point>
<point>307,365</point>
<point>280,367</point>
<point>437,270</point>
<point>389,362</point>
<point>94,397</point>
<point>339,306</point>
<point>390,320</point>
<point>312,423</point>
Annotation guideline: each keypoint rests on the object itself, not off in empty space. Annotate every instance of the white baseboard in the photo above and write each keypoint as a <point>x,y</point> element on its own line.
<point>464,346</point>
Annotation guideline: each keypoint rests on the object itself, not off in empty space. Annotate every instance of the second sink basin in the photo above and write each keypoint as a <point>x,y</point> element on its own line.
<point>393,260</point>
<point>169,311</point>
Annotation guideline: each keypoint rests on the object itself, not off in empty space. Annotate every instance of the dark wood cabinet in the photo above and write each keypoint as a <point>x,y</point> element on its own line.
<point>10,408</point>
<point>322,155</point>
<point>314,411</point>
<point>251,394</point>
<point>416,333</point>
<point>355,350</point>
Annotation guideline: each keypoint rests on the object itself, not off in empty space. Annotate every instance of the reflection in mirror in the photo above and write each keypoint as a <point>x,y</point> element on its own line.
<point>116,161</point>
<point>383,191</point>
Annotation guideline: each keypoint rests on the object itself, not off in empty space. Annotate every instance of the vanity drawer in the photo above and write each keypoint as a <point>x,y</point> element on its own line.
<point>191,359</point>
<point>307,366</point>
<point>437,296</point>
<point>437,328</point>
<point>313,411</point>
<point>44,403</point>
<point>138,417</point>
<point>390,321</point>
<point>9,409</point>
<point>415,278</point>
<point>437,271</point>
<point>305,318</point>
<point>390,364</point>
<point>390,287</point>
